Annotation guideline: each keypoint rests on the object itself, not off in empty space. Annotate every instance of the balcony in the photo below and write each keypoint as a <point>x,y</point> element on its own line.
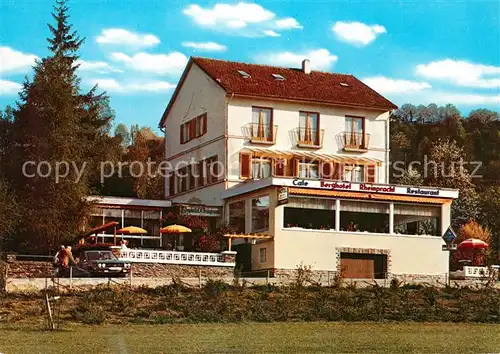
<point>310,138</point>
<point>355,141</point>
<point>261,133</point>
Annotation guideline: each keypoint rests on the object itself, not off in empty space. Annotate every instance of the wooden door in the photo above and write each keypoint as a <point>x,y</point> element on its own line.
<point>358,266</point>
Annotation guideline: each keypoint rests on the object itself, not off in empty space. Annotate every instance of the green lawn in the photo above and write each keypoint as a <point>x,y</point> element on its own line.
<point>256,338</point>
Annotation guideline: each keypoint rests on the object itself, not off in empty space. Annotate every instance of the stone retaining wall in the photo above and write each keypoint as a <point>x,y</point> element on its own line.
<point>40,269</point>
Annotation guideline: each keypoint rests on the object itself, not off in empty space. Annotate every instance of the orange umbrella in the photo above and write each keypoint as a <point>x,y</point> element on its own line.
<point>175,229</point>
<point>132,230</point>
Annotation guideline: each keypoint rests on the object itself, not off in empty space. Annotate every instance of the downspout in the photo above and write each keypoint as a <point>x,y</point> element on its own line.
<point>387,150</point>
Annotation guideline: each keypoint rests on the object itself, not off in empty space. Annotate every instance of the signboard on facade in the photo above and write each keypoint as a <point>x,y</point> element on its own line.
<point>200,210</point>
<point>367,187</point>
<point>282,195</point>
<point>449,236</point>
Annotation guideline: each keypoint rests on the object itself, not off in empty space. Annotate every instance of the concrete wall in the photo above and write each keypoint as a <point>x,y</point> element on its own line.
<point>269,263</point>
<point>198,94</point>
<point>286,117</point>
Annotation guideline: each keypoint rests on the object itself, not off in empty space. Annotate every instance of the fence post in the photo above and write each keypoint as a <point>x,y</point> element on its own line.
<point>70,277</point>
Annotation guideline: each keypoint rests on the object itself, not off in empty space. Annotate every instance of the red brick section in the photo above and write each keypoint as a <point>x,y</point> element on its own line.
<point>317,86</point>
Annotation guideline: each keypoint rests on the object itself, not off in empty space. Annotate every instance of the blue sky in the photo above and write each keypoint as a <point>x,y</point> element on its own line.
<point>410,51</point>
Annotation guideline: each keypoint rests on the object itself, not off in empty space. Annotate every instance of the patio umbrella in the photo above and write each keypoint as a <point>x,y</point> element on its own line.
<point>472,244</point>
<point>132,230</point>
<point>175,229</point>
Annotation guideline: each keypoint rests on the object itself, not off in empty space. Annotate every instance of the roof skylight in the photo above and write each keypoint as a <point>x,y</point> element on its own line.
<point>244,74</point>
<point>345,84</point>
<point>279,77</point>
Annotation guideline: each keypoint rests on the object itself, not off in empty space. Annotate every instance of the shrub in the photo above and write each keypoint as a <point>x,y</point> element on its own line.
<point>89,313</point>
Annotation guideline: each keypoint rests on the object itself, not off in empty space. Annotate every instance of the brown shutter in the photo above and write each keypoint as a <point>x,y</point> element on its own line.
<point>182,133</point>
<point>370,173</point>
<point>245,165</point>
<point>204,124</point>
<point>214,168</point>
<point>279,167</point>
<point>326,170</point>
<point>295,167</point>
<point>341,172</point>
<point>171,185</point>
<point>201,173</point>
<point>191,177</point>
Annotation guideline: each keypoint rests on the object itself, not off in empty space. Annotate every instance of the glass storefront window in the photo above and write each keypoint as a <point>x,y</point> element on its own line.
<point>260,214</point>
<point>151,222</point>
<point>132,217</point>
<point>237,215</point>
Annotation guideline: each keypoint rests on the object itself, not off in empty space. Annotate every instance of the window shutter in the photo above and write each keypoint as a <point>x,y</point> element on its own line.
<point>171,185</point>
<point>326,170</point>
<point>182,134</point>
<point>295,167</point>
<point>201,173</point>
<point>370,173</point>
<point>214,168</point>
<point>192,129</point>
<point>341,172</point>
<point>204,120</point>
<point>279,167</point>
<point>245,165</point>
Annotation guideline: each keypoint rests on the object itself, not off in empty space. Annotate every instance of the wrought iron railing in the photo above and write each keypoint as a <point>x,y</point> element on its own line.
<point>355,140</point>
<point>173,257</point>
<point>308,137</point>
<point>262,133</point>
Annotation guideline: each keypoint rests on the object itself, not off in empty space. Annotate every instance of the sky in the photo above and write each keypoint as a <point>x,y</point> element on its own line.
<point>408,50</point>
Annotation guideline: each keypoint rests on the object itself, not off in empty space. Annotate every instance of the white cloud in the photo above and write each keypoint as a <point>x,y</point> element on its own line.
<point>112,85</point>
<point>9,87</point>
<point>271,33</point>
<point>172,63</point>
<point>245,19</point>
<point>386,85</point>
<point>97,66</point>
<point>357,33</point>
<point>465,98</point>
<point>462,73</point>
<point>12,60</point>
<point>321,59</point>
<point>205,46</point>
<point>288,22</point>
<point>120,36</point>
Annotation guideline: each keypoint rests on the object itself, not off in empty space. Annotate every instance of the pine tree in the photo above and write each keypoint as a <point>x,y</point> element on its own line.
<point>56,123</point>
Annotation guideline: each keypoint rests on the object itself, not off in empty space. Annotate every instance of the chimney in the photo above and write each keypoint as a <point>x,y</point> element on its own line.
<point>306,66</point>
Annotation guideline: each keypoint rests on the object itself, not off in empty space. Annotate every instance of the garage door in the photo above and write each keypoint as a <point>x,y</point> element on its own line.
<point>366,266</point>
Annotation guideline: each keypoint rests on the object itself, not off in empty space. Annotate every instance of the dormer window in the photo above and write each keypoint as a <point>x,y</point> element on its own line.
<point>244,74</point>
<point>279,77</point>
<point>345,84</point>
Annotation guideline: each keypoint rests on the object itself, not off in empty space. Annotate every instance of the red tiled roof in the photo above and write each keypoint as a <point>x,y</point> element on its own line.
<point>320,87</point>
<point>317,86</point>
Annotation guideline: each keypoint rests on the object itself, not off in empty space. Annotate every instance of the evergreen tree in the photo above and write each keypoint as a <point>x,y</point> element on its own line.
<point>56,124</point>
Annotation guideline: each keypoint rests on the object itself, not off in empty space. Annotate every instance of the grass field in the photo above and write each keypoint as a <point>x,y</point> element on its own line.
<point>256,338</point>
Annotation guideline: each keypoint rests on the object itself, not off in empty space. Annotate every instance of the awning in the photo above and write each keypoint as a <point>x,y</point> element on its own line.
<point>271,153</point>
<point>366,196</point>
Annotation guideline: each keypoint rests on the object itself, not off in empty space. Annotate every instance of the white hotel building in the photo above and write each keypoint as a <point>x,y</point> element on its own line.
<point>302,166</point>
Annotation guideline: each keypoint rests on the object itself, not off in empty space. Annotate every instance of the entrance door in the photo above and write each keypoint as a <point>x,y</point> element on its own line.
<point>363,266</point>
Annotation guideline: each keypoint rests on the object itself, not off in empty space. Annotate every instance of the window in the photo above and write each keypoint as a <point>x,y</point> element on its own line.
<point>279,77</point>
<point>263,255</point>
<point>212,169</point>
<point>237,215</point>
<point>151,222</point>
<point>262,124</point>
<point>308,170</point>
<point>309,128</point>
<point>360,216</point>
<point>417,219</point>
<point>244,74</point>
<point>182,179</point>
<point>309,218</point>
<point>194,128</point>
<point>260,214</point>
<point>261,168</point>
<point>355,136</point>
<point>354,173</point>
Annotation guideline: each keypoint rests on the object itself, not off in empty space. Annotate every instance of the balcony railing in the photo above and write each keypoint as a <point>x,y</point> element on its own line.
<point>173,257</point>
<point>262,133</point>
<point>355,141</point>
<point>310,138</point>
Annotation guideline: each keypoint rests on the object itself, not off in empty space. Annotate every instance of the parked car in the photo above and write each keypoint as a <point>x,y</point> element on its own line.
<point>97,263</point>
